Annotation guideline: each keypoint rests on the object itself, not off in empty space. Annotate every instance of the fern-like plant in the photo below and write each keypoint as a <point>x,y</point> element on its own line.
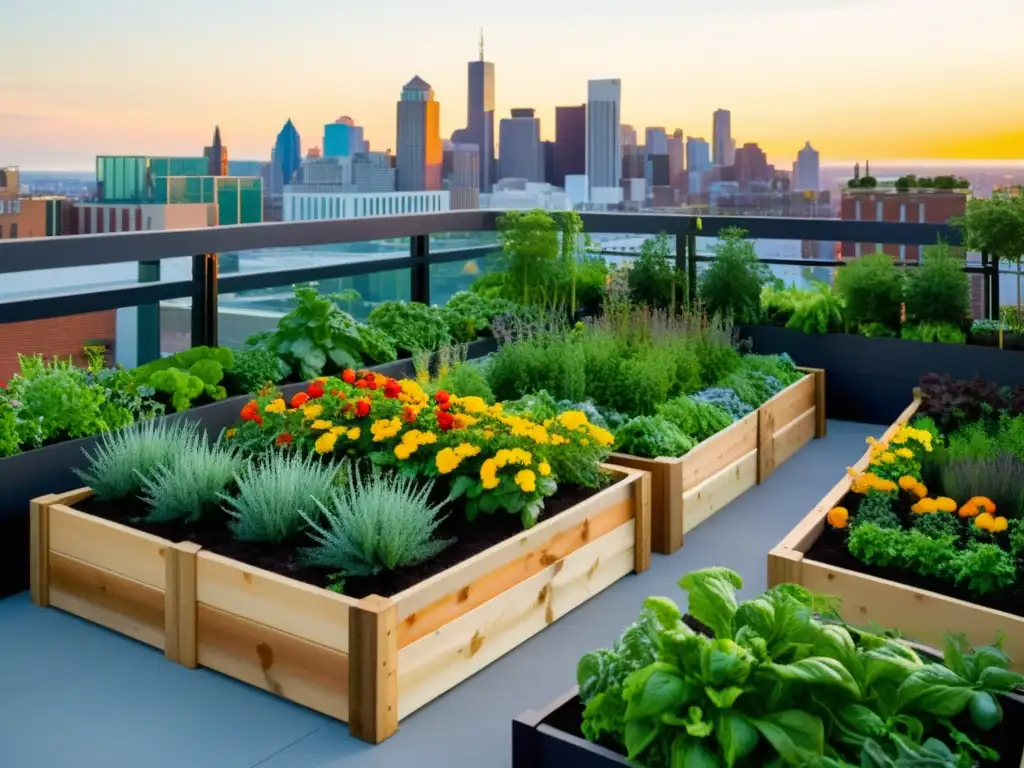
<point>817,311</point>
<point>373,523</point>
<point>190,483</point>
<point>124,459</point>
<point>274,494</point>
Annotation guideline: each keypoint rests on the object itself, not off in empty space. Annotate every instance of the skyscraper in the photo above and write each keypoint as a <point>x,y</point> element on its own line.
<point>288,152</point>
<point>674,145</point>
<point>807,172</point>
<point>420,152</point>
<point>520,147</point>
<point>465,194</point>
<point>724,149</point>
<point>343,138</point>
<point>628,136</point>
<point>604,133</point>
<point>655,141</point>
<point>570,143</point>
<point>479,128</point>
<point>698,154</point>
<point>217,155</point>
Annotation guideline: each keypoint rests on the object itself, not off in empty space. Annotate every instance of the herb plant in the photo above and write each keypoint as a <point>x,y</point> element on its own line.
<point>654,280</point>
<point>697,419</point>
<point>872,290</point>
<point>414,327</point>
<point>255,367</point>
<point>819,310</point>
<point>469,314</point>
<point>187,376</point>
<point>731,285</point>
<point>726,399</point>
<point>652,436</point>
<point>938,292</point>
<point>192,482</point>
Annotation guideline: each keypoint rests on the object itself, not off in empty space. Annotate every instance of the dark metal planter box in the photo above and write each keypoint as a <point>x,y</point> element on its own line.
<point>869,379</point>
<point>51,469</point>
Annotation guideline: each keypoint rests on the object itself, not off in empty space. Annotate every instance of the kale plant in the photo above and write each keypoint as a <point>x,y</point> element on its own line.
<point>726,399</point>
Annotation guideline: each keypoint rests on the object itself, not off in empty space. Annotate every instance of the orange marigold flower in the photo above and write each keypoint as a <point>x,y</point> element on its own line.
<point>925,507</point>
<point>838,517</point>
<point>907,482</point>
<point>299,399</point>
<point>348,376</point>
<point>920,490</point>
<point>969,509</point>
<point>945,504</point>
<point>984,521</point>
<point>984,504</point>
<point>999,524</point>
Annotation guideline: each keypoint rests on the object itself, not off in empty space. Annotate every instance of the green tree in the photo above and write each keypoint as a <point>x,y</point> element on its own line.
<point>654,279</point>
<point>530,246</point>
<point>996,226</point>
<point>731,285</point>
<point>938,291</point>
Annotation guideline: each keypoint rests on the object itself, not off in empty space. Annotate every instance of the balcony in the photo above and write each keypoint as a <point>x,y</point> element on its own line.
<point>87,687</point>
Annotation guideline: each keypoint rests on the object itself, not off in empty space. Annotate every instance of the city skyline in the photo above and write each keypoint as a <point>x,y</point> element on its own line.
<point>859,78</point>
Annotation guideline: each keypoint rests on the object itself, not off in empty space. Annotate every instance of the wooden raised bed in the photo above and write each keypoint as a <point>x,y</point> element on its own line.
<point>369,662</point>
<point>687,490</point>
<point>921,614</point>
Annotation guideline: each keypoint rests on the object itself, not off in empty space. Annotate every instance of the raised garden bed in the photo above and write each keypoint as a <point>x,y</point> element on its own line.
<point>689,489</point>
<point>921,613</point>
<point>370,661</point>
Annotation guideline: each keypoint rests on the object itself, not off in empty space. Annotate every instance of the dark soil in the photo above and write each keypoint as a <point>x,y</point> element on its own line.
<point>830,548</point>
<point>212,533</point>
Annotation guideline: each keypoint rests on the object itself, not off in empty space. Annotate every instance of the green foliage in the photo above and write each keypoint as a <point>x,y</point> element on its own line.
<point>9,440</point>
<point>753,387</point>
<point>726,399</point>
<point>124,459</point>
<point>716,359</point>
<point>995,225</point>
<point>652,436</point>
<point>938,291</point>
<point>373,523</point>
<point>819,310</point>
<point>876,509</point>
<point>255,367</point>
<point>944,333</point>
<point>318,337</point>
<point>779,367</point>
<point>466,379</point>
<point>731,285</point>
<point>872,291</point>
<point>939,525</point>
<point>547,361</point>
<point>773,684</point>
<point>910,181</point>
<point>986,568</point>
<point>190,485</point>
<point>997,478</point>
<point>1016,529</point>
<point>530,246</point>
<point>654,280</point>
<point>275,495</point>
<point>877,331</point>
<point>469,314</point>
<point>697,419</point>
<point>414,327</point>
<point>187,376</point>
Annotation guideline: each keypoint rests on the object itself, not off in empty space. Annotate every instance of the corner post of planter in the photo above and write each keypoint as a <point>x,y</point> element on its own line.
<point>39,548</point>
<point>373,669</point>
<point>180,597</point>
<point>667,505</point>
<point>765,443</point>
<point>784,566</point>
<point>642,510</point>
<point>820,417</point>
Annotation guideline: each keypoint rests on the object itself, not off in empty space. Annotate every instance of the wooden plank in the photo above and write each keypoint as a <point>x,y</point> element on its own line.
<point>465,595</point>
<point>719,451</point>
<point>784,567</point>
<point>285,665</point>
<point>717,491</point>
<point>316,614</point>
<point>70,498</point>
<point>765,444</point>
<point>117,548</point>
<point>418,597</point>
<point>39,549</point>
<point>180,604</point>
<point>666,498</point>
<point>794,436</point>
<point>810,528</point>
<point>373,677</point>
<point>792,402</point>
<point>821,417</point>
<point>442,660</point>
<point>923,615</point>
<point>642,521</point>
<point>106,598</point>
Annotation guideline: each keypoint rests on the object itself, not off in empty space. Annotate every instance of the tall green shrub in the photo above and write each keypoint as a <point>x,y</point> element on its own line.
<point>938,291</point>
<point>872,290</point>
<point>731,285</point>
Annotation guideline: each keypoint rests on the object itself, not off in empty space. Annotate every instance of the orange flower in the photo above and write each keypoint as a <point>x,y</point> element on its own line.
<point>838,517</point>
<point>984,504</point>
<point>969,509</point>
<point>999,524</point>
<point>920,490</point>
<point>300,399</point>
<point>283,439</point>
<point>925,507</point>
<point>908,483</point>
<point>250,411</point>
<point>945,504</point>
<point>984,521</point>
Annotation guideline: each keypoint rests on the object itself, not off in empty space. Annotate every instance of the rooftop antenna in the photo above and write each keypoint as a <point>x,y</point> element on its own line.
<point>481,43</point>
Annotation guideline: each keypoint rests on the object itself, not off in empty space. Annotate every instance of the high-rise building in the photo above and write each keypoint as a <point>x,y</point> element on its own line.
<point>547,151</point>
<point>343,138</point>
<point>479,128</point>
<point>675,151</point>
<point>628,136</point>
<point>288,153</point>
<point>373,172</point>
<point>465,177</point>
<point>419,138</point>
<point>604,134</point>
<point>519,147</point>
<point>724,147</point>
<point>570,143</point>
<point>698,154</point>
<point>751,164</point>
<point>807,171</point>
<point>655,141</point>
<point>217,156</point>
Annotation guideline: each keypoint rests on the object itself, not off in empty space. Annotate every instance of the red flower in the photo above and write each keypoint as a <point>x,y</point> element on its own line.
<point>371,383</point>
<point>250,411</point>
<point>441,396</point>
<point>445,420</point>
<point>408,414</point>
<point>316,389</point>
<point>283,439</point>
<point>362,408</point>
<point>299,399</point>
<point>444,406</point>
<point>334,392</point>
<point>258,419</point>
<point>392,389</point>
<point>348,376</point>
<point>361,384</point>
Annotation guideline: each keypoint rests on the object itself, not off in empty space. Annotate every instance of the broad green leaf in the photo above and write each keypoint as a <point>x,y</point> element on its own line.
<point>986,712</point>
<point>893,662</point>
<point>639,735</point>
<point>861,720</point>
<point>712,598</point>
<point>653,690</point>
<point>343,358</point>
<point>816,671</point>
<point>737,738</point>
<point>315,359</point>
<point>955,649</point>
<point>796,735</point>
<point>723,698</point>
<point>301,347</point>
<point>461,484</point>
<point>1001,680</point>
<point>932,754</point>
<point>936,690</point>
<point>691,753</point>
<point>664,611</point>
<point>724,663</point>
<point>873,756</point>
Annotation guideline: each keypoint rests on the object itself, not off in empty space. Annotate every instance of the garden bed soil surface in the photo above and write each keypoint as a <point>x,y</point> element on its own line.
<point>214,535</point>
<point>830,549</point>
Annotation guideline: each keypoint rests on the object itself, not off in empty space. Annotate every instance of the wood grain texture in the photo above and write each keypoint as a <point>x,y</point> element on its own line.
<point>70,498</point>
<point>136,555</point>
<point>765,444</point>
<point>666,498</point>
<point>285,665</point>
<point>715,493</point>
<point>794,436</point>
<point>103,597</point>
<point>39,549</point>
<point>792,402</point>
<point>821,417</point>
<point>719,451</point>
<point>180,604</point>
<point>442,660</point>
<point>784,567</point>
<point>642,521</point>
<point>309,612</point>
<point>373,677</point>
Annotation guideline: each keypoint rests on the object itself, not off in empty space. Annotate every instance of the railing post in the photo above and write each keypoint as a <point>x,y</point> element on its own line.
<point>419,273</point>
<point>204,300</point>
<point>147,331</point>
<point>993,293</point>
<point>691,263</point>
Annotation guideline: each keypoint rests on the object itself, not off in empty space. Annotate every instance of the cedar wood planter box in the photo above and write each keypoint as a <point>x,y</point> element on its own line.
<point>369,662</point>
<point>51,469</point>
<point>922,614</point>
<point>687,490</point>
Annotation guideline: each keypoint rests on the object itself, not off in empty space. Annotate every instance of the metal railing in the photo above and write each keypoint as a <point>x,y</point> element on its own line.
<point>149,249</point>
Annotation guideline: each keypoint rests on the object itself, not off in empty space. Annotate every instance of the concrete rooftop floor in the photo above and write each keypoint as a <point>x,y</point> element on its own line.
<point>74,695</point>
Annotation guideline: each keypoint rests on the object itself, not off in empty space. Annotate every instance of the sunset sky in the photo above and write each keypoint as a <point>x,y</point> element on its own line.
<point>877,79</point>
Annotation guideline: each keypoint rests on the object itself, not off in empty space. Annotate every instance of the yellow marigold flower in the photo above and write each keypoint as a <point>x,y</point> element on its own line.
<point>945,504</point>
<point>924,507</point>
<point>572,419</point>
<point>426,438</point>
<point>888,457</point>
<point>312,411</point>
<point>447,460</point>
<point>488,434</point>
<point>403,451</point>
<point>838,517</point>
<point>600,435</point>
<point>907,482</point>
<point>321,424</point>
<point>999,524</point>
<point>984,521</point>
<point>339,430</point>
<point>472,404</point>
<point>384,429</point>
<point>526,480</point>
<point>230,433</point>
<point>325,443</point>
<point>969,509</point>
<point>920,490</point>
<point>558,440</point>
<point>904,453</point>
<point>489,474</point>
<point>544,469</point>
<point>276,406</point>
<point>354,433</point>
<point>465,450</point>
<point>584,442</point>
<point>462,421</point>
<point>495,410</point>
